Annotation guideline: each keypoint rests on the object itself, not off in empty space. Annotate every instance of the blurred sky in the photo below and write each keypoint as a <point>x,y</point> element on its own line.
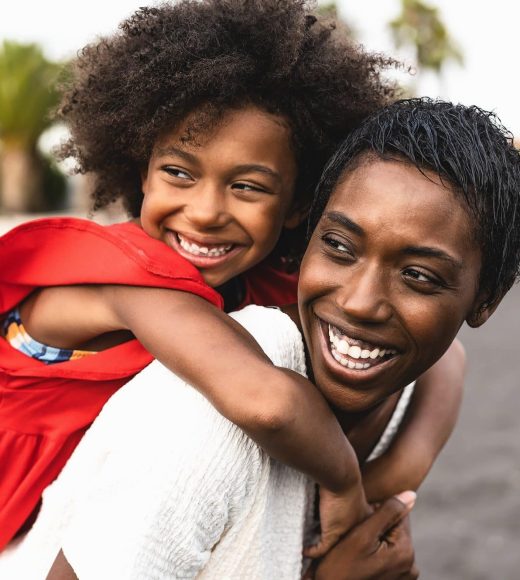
<point>487,33</point>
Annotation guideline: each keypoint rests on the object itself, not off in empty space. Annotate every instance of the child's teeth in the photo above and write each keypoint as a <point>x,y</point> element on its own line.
<point>196,250</point>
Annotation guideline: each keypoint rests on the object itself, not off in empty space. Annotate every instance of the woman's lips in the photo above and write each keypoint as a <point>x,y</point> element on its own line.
<point>353,359</point>
<point>201,254</point>
<point>356,354</point>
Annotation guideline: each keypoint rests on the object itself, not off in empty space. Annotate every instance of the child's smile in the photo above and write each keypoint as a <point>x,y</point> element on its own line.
<point>203,253</point>
<point>222,199</point>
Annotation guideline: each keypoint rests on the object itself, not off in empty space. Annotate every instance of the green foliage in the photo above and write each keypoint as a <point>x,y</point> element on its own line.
<point>330,10</point>
<point>28,92</point>
<point>420,26</point>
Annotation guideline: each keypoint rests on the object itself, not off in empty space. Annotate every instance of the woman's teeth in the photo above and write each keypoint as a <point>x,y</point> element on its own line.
<point>212,250</point>
<point>341,347</point>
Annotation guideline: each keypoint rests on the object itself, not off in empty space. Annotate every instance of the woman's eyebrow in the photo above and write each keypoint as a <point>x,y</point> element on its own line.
<point>342,220</point>
<point>422,251</point>
<point>428,252</point>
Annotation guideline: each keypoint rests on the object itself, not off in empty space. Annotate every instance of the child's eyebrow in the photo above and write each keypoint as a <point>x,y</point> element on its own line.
<point>252,167</point>
<point>244,168</point>
<point>175,151</point>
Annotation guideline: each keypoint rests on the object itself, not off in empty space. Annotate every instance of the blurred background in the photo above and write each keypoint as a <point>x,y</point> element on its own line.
<point>467,518</point>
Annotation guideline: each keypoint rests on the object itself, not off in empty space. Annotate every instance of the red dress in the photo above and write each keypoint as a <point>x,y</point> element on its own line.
<point>46,409</point>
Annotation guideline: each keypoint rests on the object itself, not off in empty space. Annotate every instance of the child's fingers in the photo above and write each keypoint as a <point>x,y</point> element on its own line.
<point>325,544</point>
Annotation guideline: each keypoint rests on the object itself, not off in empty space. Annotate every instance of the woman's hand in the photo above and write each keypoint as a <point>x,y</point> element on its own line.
<point>379,548</point>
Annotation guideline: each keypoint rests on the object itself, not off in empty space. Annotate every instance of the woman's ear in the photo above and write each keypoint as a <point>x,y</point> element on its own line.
<point>482,310</point>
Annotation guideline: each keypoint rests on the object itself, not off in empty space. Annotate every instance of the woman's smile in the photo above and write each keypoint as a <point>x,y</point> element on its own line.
<point>389,276</point>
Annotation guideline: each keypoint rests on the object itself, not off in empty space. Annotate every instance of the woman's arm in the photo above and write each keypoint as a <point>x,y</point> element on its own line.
<point>427,425</point>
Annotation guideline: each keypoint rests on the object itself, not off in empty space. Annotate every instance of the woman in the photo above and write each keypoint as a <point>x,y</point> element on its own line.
<point>412,235</point>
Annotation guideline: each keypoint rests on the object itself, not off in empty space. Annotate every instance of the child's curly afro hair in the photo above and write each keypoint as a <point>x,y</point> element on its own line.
<point>208,56</point>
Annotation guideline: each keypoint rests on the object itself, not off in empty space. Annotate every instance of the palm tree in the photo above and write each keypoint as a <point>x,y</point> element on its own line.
<point>420,26</point>
<point>28,92</point>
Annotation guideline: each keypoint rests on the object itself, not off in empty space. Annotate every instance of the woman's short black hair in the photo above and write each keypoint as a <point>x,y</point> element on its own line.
<point>470,150</point>
<point>206,57</point>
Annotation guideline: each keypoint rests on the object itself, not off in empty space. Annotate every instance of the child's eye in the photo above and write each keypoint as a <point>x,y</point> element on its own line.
<point>176,172</point>
<point>245,187</point>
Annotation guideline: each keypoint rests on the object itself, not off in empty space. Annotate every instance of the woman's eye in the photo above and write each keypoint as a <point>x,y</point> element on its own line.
<point>176,172</point>
<point>421,277</point>
<point>337,245</point>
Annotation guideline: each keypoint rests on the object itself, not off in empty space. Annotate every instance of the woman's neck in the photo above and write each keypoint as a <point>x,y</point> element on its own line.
<point>363,428</point>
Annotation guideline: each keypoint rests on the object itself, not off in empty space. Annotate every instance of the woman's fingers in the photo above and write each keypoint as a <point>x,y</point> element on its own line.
<point>324,545</point>
<point>392,511</point>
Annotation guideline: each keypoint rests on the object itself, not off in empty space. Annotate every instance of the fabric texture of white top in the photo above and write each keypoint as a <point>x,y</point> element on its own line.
<point>162,486</point>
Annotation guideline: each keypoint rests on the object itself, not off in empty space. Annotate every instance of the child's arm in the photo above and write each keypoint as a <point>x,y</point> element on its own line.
<point>279,409</point>
<point>428,423</point>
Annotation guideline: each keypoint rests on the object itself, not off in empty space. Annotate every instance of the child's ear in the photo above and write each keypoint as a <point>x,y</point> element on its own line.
<point>144,175</point>
<point>482,310</point>
<point>295,217</point>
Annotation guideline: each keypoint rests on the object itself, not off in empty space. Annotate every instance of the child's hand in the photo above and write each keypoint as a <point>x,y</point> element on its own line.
<point>338,514</point>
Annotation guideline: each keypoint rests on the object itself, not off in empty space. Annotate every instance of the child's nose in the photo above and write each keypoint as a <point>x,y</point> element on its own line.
<point>207,209</point>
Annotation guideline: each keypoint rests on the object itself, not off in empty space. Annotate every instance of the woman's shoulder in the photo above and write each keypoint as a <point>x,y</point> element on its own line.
<point>276,333</point>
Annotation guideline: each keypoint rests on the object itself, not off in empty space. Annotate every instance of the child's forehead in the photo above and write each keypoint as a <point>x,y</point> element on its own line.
<point>202,124</point>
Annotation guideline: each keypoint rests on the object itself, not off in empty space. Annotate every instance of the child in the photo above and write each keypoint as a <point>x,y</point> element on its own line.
<point>222,116</point>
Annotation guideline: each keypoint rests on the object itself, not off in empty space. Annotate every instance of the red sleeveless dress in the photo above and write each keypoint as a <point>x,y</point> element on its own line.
<point>46,409</point>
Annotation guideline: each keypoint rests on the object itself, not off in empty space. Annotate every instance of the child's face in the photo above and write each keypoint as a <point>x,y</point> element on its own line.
<point>222,203</point>
<point>389,276</point>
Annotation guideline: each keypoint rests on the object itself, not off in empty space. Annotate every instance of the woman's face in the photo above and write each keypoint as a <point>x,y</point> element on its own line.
<point>390,275</point>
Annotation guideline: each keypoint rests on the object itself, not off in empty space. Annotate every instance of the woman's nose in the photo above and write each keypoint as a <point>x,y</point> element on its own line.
<point>207,209</point>
<point>364,294</point>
